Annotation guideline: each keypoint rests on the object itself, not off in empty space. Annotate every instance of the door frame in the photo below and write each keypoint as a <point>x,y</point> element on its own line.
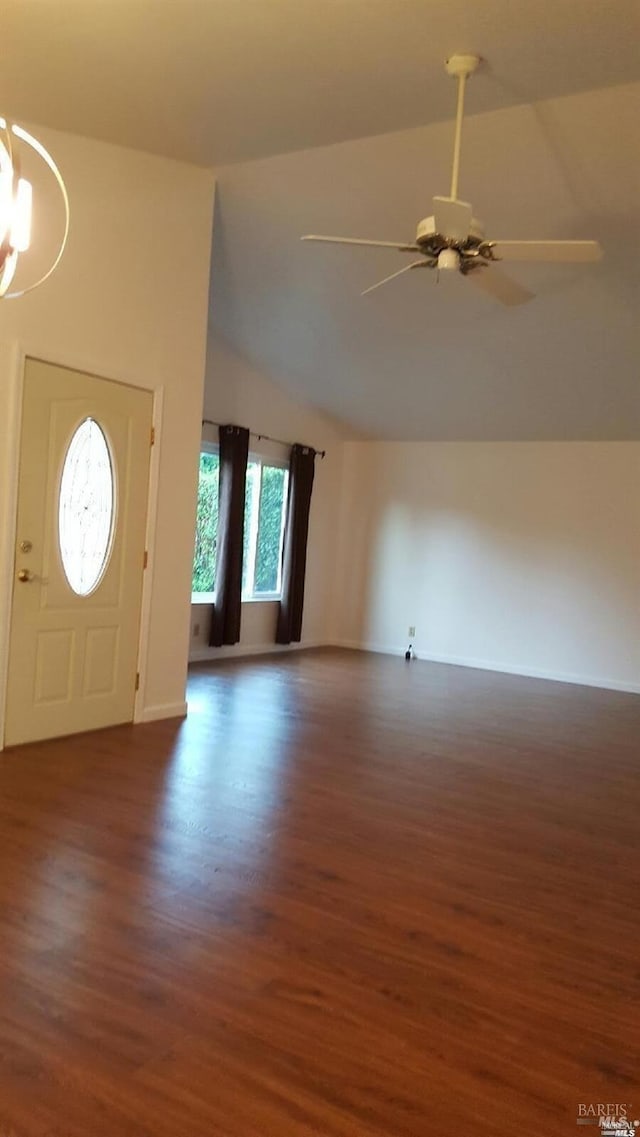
<point>18,353</point>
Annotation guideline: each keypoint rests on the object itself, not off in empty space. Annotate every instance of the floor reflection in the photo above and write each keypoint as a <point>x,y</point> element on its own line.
<point>228,775</point>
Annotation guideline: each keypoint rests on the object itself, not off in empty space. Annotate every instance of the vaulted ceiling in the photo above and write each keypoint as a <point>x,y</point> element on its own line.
<point>218,81</point>
<point>420,359</point>
<point>335,116</point>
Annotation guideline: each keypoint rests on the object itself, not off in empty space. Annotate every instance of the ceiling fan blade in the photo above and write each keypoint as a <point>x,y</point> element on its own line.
<point>497,284</point>
<point>415,264</point>
<point>400,245</point>
<point>567,251</point>
<point>452,218</point>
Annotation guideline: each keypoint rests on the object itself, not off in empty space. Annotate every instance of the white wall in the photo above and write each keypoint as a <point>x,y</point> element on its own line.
<point>236,392</point>
<point>521,557</point>
<point>129,302</point>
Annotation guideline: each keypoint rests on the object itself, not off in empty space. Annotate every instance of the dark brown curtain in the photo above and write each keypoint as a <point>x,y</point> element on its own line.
<point>294,554</point>
<point>234,451</point>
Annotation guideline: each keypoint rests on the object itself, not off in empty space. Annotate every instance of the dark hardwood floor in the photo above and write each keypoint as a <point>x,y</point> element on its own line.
<point>347,896</point>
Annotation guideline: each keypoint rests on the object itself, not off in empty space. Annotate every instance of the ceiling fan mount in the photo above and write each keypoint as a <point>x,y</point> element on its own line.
<point>453,240</point>
<point>462,65</point>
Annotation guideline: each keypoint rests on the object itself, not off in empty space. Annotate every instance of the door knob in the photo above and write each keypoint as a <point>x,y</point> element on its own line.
<point>24,576</point>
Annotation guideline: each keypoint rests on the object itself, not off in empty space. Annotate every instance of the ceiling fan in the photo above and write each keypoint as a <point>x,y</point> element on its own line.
<point>452,239</point>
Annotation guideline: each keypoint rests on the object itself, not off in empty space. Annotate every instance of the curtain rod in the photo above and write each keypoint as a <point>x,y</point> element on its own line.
<point>265,437</point>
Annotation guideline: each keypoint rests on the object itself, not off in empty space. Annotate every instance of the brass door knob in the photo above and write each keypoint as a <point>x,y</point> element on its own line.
<point>24,576</point>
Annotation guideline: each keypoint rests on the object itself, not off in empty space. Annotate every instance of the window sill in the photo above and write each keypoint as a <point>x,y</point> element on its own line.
<point>208,598</point>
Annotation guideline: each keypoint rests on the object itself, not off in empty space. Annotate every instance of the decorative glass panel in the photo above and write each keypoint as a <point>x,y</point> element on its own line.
<point>86,508</point>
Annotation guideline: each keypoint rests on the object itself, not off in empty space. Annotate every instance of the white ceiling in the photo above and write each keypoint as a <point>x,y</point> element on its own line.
<point>217,81</point>
<point>353,97</point>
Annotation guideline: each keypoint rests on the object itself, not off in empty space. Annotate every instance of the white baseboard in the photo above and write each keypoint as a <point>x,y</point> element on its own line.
<point>238,651</point>
<point>604,682</point>
<point>163,711</point>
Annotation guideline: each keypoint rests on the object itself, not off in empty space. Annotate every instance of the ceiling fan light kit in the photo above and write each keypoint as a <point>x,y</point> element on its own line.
<point>449,259</point>
<point>453,240</point>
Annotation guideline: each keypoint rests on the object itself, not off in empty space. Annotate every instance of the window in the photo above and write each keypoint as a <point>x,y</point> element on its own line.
<point>264,515</point>
<point>204,560</point>
<point>264,511</point>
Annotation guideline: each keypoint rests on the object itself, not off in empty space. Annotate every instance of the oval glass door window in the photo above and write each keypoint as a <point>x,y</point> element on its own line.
<point>86,508</point>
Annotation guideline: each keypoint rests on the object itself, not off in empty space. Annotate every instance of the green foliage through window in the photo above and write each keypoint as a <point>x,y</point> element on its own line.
<point>264,511</point>
<point>204,561</point>
<point>272,491</point>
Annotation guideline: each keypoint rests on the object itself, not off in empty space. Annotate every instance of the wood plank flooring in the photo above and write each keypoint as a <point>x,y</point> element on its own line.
<point>347,897</point>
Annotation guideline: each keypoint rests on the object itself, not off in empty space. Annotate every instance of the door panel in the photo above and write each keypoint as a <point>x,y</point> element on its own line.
<point>73,657</point>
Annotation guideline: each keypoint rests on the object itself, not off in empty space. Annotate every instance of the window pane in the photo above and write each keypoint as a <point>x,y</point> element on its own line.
<point>204,561</point>
<point>272,494</point>
<point>250,524</point>
<point>86,508</point>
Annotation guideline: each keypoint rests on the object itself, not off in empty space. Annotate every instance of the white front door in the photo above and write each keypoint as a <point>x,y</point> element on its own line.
<point>80,540</point>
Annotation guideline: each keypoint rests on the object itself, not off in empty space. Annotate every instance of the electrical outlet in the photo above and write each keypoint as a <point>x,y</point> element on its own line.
<point>412,630</point>
<point>196,630</point>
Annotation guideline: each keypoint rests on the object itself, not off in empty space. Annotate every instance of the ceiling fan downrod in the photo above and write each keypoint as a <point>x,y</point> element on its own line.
<point>460,66</point>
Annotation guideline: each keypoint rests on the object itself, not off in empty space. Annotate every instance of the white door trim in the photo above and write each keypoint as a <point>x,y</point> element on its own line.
<point>16,353</point>
<point>14,379</point>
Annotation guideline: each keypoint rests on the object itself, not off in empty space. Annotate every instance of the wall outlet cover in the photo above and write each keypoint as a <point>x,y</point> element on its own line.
<point>412,630</point>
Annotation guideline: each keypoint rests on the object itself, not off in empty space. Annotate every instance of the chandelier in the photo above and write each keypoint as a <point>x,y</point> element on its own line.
<point>16,206</point>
